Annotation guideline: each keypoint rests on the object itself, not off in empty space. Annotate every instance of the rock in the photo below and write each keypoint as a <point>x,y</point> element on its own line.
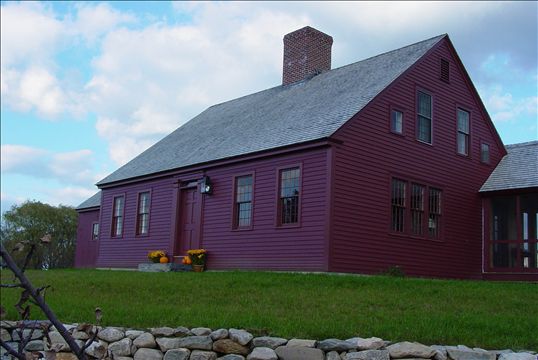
<point>37,334</point>
<point>4,335</point>
<point>299,353</point>
<point>11,344</point>
<point>231,357</point>
<point>270,342</point>
<point>121,348</point>
<point>148,354</point>
<point>517,356</point>
<point>332,355</point>
<point>177,354</point>
<point>201,331</point>
<point>70,356</point>
<point>196,343</point>
<point>110,334</point>
<point>168,343</point>
<point>57,342</point>
<point>203,355</point>
<point>181,331</point>
<point>373,343</point>
<point>302,343</point>
<point>6,324</point>
<point>335,345</point>
<point>368,355</point>
<point>262,353</point>
<point>80,335</point>
<point>35,345</point>
<point>97,349</point>
<point>457,354</point>
<point>145,340</point>
<point>440,352</point>
<point>410,350</point>
<point>227,346</point>
<point>163,331</point>
<point>240,336</point>
<point>133,334</point>
<point>219,334</point>
<point>121,358</point>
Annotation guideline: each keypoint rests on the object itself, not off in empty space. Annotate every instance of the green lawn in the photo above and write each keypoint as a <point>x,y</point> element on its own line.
<point>485,314</point>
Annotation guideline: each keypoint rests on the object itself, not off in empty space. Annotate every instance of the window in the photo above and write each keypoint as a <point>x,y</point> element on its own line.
<point>417,209</point>
<point>117,216</point>
<point>435,213</point>
<point>463,132</point>
<point>288,206</point>
<point>484,153</point>
<point>424,117</point>
<point>95,231</point>
<point>142,216</point>
<point>243,202</point>
<point>445,70</point>
<point>398,205</point>
<point>396,121</point>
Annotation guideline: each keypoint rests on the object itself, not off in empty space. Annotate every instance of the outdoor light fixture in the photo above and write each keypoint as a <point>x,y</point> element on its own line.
<point>205,186</point>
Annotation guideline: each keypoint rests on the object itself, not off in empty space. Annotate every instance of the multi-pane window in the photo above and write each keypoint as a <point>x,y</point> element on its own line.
<point>424,117</point>
<point>117,216</point>
<point>396,121</point>
<point>484,153</point>
<point>243,202</point>
<point>142,216</point>
<point>463,132</point>
<point>290,180</point>
<point>95,231</point>
<point>398,205</point>
<point>434,220</point>
<point>417,209</point>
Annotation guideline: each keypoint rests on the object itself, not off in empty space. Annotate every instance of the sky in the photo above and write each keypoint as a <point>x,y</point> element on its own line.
<point>87,86</point>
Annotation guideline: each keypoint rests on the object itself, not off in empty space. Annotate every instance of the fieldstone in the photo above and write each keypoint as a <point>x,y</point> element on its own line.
<point>110,334</point>
<point>335,345</point>
<point>262,353</point>
<point>163,331</point>
<point>201,331</point>
<point>168,343</point>
<point>57,342</point>
<point>11,344</point>
<point>35,345</point>
<point>269,342</point>
<point>231,357</point>
<point>372,343</point>
<point>80,335</point>
<point>121,348</point>
<point>121,358</point>
<point>37,334</point>
<point>196,343</point>
<point>145,340</point>
<point>148,354</point>
<point>70,356</point>
<point>440,352</point>
<point>67,327</point>
<point>302,343</point>
<point>227,346</point>
<point>240,336</point>
<point>97,349</point>
<point>299,353</point>
<point>203,355</point>
<point>332,355</point>
<point>181,331</point>
<point>7,324</point>
<point>368,355</point>
<point>219,334</point>
<point>517,356</point>
<point>410,350</point>
<point>4,335</point>
<point>177,354</point>
<point>133,334</point>
<point>457,354</point>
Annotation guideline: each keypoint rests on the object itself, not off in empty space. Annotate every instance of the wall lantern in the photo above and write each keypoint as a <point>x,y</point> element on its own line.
<point>205,186</point>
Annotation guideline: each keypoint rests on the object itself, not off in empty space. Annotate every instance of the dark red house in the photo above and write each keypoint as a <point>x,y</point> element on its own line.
<point>356,169</point>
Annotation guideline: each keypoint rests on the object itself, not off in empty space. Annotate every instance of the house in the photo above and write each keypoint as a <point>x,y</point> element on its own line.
<point>384,162</point>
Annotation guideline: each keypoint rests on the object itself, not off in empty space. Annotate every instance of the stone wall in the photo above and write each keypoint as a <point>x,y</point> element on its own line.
<point>181,343</point>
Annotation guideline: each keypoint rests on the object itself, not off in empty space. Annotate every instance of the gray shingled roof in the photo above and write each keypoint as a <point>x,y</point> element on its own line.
<point>309,110</point>
<point>517,170</point>
<point>93,201</point>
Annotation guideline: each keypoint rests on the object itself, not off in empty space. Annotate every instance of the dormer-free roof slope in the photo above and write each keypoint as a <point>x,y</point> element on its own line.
<point>304,111</point>
<point>92,202</point>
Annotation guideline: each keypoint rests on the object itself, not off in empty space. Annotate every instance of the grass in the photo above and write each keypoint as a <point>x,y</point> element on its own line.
<point>485,314</point>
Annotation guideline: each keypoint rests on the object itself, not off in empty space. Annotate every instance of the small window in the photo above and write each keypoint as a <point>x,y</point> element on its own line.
<point>117,216</point>
<point>398,205</point>
<point>142,217</point>
<point>424,117</point>
<point>434,221</point>
<point>289,196</point>
<point>396,121</point>
<point>417,209</point>
<point>243,202</point>
<point>463,132</point>
<point>484,153</point>
<point>445,70</point>
<point>95,231</point>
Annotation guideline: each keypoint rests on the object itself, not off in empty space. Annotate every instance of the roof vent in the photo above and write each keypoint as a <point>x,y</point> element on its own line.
<point>307,52</point>
<point>445,70</point>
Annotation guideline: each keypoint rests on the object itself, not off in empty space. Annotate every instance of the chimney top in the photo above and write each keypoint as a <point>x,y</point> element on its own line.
<point>307,52</point>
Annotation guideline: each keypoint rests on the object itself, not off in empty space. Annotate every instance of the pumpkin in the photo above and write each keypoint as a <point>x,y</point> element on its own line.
<point>163,260</point>
<point>187,260</point>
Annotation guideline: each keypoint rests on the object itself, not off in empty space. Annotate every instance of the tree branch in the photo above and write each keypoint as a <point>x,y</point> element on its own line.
<point>11,351</point>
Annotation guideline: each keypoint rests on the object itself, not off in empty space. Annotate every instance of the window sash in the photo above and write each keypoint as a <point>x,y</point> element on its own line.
<point>142,218</point>
<point>117,219</point>
<point>463,131</point>
<point>95,231</point>
<point>243,201</point>
<point>434,220</point>
<point>398,205</point>
<point>396,121</point>
<point>417,209</point>
<point>484,153</point>
<point>289,196</point>
<point>424,117</point>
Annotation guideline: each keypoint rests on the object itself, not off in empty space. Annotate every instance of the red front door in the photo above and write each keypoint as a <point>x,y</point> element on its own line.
<point>189,231</point>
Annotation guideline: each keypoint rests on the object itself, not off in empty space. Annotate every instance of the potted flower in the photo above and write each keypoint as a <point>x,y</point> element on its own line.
<point>197,257</point>
<point>158,256</point>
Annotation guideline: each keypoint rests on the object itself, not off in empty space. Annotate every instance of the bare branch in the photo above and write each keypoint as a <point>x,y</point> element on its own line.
<point>12,351</point>
<point>10,285</point>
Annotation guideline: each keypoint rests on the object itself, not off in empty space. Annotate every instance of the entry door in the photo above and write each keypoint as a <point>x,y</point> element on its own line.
<point>189,231</point>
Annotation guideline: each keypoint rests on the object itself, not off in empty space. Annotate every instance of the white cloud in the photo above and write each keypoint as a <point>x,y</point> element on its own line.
<point>504,106</point>
<point>69,195</point>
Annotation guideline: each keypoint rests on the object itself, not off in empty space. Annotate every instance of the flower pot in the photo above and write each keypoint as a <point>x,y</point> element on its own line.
<point>197,268</point>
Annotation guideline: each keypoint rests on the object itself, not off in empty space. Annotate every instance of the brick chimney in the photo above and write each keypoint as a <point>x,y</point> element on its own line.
<point>307,52</point>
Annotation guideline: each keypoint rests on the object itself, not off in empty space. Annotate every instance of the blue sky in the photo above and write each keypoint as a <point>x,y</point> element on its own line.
<point>86,86</point>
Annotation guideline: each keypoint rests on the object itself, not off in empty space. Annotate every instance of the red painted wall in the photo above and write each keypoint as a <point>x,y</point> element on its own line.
<point>371,155</point>
<point>86,250</point>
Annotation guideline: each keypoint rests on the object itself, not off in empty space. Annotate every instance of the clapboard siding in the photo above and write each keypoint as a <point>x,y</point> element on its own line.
<point>371,155</point>
<point>86,250</point>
